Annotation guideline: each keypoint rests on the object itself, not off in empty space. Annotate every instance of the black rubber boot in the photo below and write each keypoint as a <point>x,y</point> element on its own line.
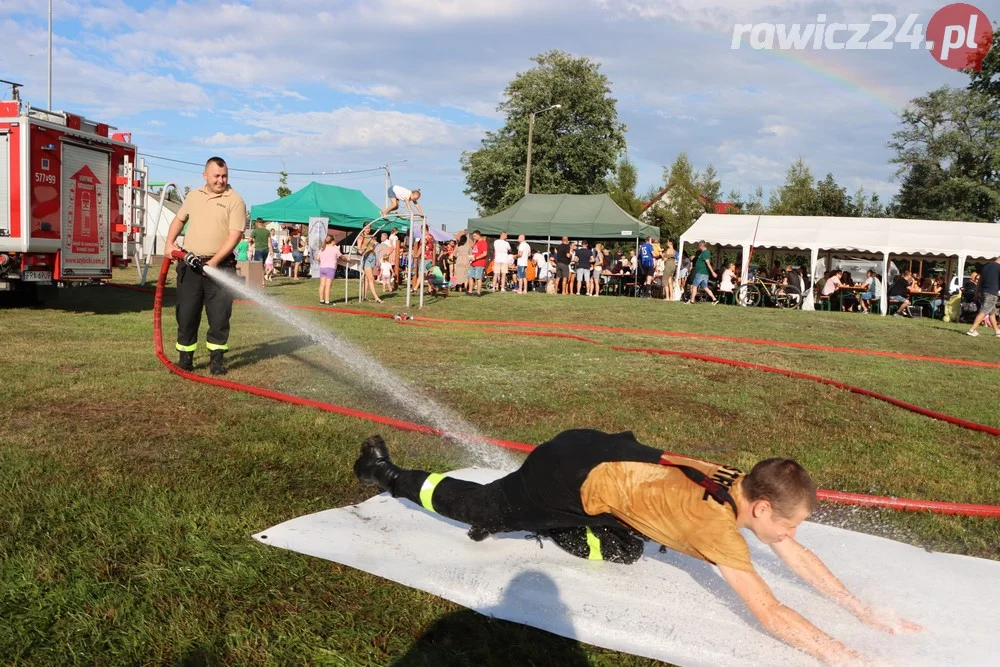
<point>186,361</point>
<point>216,362</point>
<point>374,467</point>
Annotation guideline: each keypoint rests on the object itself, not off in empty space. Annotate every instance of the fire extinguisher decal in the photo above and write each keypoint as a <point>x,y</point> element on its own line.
<point>85,208</point>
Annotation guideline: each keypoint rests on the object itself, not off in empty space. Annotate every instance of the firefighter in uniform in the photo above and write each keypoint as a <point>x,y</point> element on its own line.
<point>216,217</point>
<point>599,495</point>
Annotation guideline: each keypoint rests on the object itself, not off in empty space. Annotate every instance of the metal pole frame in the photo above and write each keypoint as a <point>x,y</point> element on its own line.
<point>409,261</point>
<point>423,248</point>
<point>156,229</point>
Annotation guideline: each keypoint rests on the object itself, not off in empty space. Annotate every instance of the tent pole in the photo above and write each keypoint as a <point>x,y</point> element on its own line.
<point>809,299</point>
<point>961,272</point>
<point>884,297</point>
<point>409,261</point>
<point>744,274</point>
<point>423,249</point>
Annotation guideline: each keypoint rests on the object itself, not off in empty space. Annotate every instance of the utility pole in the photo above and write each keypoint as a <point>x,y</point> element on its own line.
<point>531,131</point>
<point>49,105</point>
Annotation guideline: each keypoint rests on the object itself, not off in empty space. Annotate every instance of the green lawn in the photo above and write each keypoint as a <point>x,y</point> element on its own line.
<point>128,495</point>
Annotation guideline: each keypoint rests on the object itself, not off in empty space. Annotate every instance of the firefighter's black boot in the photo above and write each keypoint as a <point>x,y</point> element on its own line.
<point>216,362</point>
<point>374,467</point>
<point>186,361</point>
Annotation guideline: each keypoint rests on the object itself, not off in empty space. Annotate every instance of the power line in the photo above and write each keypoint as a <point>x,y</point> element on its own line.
<point>273,173</point>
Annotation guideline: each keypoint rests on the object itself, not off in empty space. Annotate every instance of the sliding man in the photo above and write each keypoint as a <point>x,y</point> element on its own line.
<point>596,495</point>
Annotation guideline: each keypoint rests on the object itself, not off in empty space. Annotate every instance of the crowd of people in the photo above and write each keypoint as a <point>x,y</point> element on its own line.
<point>471,262</point>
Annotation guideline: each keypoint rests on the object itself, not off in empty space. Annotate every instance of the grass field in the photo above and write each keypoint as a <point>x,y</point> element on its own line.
<point>128,495</point>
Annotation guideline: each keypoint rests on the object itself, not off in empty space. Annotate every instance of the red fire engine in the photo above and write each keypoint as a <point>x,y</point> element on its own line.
<point>67,187</point>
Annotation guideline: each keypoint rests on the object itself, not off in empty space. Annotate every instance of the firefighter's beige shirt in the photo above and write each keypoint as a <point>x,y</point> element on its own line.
<point>663,504</point>
<point>210,218</point>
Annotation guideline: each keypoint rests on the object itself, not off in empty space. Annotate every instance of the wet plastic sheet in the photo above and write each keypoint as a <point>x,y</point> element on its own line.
<point>666,606</point>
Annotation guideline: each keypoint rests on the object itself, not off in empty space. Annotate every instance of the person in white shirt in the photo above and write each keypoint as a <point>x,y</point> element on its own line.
<point>728,281</point>
<point>394,260</point>
<point>523,257</point>
<point>397,194</point>
<point>542,271</point>
<point>501,260</point>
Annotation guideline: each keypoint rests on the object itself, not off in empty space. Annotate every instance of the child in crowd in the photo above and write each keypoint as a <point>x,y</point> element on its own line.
<point>269,265</point>
<point>385,274</point>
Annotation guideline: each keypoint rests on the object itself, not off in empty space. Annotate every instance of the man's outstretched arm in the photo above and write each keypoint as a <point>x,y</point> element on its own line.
<point>814,572</point>
<point>785,623</point>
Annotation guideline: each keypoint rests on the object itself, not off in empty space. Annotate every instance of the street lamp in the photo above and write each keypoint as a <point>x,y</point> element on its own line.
<point>531,129</point>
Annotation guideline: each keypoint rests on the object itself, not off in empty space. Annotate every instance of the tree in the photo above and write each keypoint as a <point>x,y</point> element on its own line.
<point>574,147</point>
<point>948,150</point>
<point>987,79</point>
<point>707,184</point>
<point>621,187</point>
<point>752,205</point>
<point>831,199</point>
<point>681,204</point>
<point>863,206</point>
<point>283,189</point>
<point>798,195</point>
<point>187,189</point>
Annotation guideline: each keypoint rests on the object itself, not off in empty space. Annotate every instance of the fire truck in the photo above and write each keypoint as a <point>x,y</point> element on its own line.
<point>70,199</point>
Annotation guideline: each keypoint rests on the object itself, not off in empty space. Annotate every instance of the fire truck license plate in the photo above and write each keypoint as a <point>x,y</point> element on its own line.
<point>37,276</point>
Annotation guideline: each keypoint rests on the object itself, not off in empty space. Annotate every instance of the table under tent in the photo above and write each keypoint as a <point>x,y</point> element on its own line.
<point>877,238</point>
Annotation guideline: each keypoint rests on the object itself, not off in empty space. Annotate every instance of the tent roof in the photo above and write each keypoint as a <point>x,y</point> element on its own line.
<point>975,240</point>
<point>346,208</point>
<point>579,216</point>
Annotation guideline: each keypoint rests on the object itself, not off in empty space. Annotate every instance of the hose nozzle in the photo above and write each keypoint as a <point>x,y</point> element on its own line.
<point>189,258</point>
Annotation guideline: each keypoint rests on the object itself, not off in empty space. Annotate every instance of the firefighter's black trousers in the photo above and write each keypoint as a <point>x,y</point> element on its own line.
<point>194,292</point>
<point>542,496</point>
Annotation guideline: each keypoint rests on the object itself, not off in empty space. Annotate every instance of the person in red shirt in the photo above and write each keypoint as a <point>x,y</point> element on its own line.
<point>477,261</point>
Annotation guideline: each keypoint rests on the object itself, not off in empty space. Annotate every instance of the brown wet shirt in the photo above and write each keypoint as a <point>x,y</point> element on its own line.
<point>663,504</point>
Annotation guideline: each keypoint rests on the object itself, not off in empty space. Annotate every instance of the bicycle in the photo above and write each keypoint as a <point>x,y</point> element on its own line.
<point>781,295</point>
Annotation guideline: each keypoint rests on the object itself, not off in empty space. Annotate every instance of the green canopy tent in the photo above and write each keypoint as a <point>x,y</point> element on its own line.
<point>346,208</point>
<point>555,216</point>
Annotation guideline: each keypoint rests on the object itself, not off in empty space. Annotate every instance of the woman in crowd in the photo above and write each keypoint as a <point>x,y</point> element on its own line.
<point>596,267</point>
<point>669,270</point>
<point>873,291</point>
<point>366,246</point>
<point>329,255</point>
<point>461,263</point>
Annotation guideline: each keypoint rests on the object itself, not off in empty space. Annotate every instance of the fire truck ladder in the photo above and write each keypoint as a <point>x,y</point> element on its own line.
<point>133,181</point>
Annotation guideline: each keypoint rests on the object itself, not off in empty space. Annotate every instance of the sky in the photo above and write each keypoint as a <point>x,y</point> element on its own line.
<point>350,85</point>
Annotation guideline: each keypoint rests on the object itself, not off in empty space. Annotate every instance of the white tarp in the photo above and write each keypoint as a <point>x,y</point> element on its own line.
<point>881,237</point>
<point>932,238</point>
<point>666,606</point>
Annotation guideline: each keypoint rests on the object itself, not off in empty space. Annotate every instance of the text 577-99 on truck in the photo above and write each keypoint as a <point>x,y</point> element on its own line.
<point>64,185</point>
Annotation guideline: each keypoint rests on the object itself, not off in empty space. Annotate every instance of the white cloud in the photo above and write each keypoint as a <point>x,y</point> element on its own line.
<point>778,131</point>
<point>317,133</point>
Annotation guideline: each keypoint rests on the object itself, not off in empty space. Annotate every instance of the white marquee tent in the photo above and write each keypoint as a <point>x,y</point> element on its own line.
<point>877,237</point>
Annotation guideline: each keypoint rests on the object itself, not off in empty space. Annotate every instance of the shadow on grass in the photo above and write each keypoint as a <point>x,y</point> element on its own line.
<point>96,300</point>
<point>283,347</point>
<point>469,638</point>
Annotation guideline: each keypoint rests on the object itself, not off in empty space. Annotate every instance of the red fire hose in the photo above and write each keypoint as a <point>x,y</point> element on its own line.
<point>842,497</point>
